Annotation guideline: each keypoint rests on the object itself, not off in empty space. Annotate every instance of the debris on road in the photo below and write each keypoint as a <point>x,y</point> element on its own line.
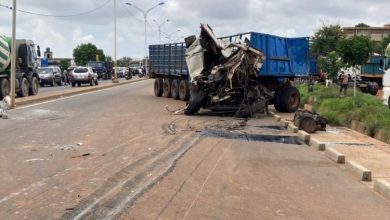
<point>83,155</point>
<point>224,76</point>
<point>34,159</point>
<point>309,121</point>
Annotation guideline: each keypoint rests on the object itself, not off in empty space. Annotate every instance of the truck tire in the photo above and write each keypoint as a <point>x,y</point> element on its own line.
<point>24,87</point>
<point>167,88</point>
<point>73,84</point>
<point>175,89</point>
<point>4,88</point>
<point>276,100</point>
<point>158,87</point>
<point>289,99</point>
<point>184,90</point>
<point>34,86</point>
<point>195,103</point>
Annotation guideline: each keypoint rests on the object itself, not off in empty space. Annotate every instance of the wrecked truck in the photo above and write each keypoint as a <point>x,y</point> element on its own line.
<point>239,74</point>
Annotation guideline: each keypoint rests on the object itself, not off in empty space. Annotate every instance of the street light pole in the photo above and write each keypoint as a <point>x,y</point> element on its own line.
<point>168,36</point>
<point>145,14</point>
<point>13,56</point>
<point>159,29</point>
<point>115,79</point>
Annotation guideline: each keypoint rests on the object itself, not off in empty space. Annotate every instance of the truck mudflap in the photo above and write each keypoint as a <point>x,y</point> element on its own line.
<point>224,76</point>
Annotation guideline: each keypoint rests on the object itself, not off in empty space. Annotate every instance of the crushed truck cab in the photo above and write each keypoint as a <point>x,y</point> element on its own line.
<point>239,74</point>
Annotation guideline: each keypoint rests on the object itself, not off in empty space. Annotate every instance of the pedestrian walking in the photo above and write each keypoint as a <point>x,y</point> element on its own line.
<point>344,79</point>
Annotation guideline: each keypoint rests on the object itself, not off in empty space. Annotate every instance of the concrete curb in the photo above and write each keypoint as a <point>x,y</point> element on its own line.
<point>335,155</point>
<point>285,123</point>
<point>382,187</point>
<point>358,170</point>
<point>317,144</point>
<point>34,99</point>
<point>277,117</point>
<point>303,136</point>
<point>292,128</point>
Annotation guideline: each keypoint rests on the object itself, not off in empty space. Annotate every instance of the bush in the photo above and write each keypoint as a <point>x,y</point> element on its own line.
<point>341,111</point>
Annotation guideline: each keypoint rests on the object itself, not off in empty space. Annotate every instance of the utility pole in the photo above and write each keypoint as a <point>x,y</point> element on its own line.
<point>13,56</point>
<point>145,14</point>
<point>169,36</point>
<point>159,29</point>
<point>115,79</point>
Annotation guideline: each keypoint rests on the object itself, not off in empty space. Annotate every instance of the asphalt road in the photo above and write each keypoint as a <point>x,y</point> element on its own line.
<point>119,153</point>
<point>47,88</point>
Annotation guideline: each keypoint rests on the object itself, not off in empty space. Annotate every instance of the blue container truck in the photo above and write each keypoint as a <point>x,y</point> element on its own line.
<point>283,60</point>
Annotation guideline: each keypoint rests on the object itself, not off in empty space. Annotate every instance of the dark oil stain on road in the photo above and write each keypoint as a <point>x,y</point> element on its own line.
<point>283,139</point>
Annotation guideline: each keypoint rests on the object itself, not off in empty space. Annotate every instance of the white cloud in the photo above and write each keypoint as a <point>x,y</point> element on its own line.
<point>289,18</point>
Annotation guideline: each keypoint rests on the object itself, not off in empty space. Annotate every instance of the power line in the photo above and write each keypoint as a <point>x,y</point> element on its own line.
<point>60,16</point>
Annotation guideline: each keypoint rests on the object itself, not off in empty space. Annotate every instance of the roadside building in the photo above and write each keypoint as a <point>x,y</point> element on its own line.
<point>374,33</point>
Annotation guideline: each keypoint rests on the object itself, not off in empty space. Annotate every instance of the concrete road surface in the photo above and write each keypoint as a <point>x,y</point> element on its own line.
<point>119,153</point>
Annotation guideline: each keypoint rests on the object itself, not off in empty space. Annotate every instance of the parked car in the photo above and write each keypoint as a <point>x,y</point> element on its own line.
<point>51,75</point>
<point>84,75</point>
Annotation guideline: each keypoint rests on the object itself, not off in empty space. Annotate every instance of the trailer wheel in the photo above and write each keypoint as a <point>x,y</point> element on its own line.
<point>4,87</point>
<point>175,89</point>
<point>289,99</point>
<point>24,87</point>
<point>167,88</point>
<point>184,90</point>
<point>276,100</point>
<point>195,103</point>
<point>158,87</point>
<point>34,86</point>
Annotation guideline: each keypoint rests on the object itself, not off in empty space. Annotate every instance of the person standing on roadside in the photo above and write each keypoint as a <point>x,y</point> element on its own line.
<point>344,79</point>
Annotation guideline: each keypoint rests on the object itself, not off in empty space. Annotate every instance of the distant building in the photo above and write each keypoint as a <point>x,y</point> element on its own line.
<point>48,54</point>
<point>374,33</point>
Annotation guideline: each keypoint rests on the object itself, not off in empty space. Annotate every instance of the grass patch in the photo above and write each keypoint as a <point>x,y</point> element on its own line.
<point>340,111</point>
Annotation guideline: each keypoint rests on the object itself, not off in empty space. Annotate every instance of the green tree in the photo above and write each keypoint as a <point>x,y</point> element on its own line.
<point>87,52</point>
<point>331,64</point>
<point>385,42</point>
<point>108,58</point>
<point>64,64</point>
<point>354,51</point>
<point>124,61</point>
<point>362,25</point>
<point>325,40</point>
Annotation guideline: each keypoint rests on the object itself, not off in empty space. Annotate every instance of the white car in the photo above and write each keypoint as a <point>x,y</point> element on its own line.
<point>84,75</point>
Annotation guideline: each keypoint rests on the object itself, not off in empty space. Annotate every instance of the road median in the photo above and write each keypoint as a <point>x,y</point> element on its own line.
<point>66,93</point>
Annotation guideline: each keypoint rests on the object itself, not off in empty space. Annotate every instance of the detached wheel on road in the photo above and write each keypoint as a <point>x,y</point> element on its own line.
<point>167,88</point>
<point>158,87</point>
<point>34,86</point>
<point>289,99</point>
<point>4,87</point>
<point>24,87</point>
<point>175,89</point>
<point>184,90</point>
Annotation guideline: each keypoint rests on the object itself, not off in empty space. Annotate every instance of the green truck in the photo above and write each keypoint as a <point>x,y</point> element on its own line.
<point>27,79</point>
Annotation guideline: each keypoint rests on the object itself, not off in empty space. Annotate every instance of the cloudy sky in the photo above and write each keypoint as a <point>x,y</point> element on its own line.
<point>290,18</point>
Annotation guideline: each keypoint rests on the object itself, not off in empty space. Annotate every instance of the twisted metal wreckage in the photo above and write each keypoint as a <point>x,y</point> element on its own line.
<point>224,76</point>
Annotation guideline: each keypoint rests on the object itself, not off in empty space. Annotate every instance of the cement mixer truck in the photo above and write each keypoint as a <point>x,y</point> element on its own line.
<point>27,79</point>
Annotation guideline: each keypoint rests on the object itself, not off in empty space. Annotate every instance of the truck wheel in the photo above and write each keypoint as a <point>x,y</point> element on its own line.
<point>277,105</point>
<point>175,89</point>
<point>96,82</point>
<point>289,99</point>
<point>195,103</point>
<point>24,87</point>
<point>184,90</point>
<point>167,88</point>
<point>158,87</point>
<point>73,84</point>
<point>4,87</point>
<point>34,86</point>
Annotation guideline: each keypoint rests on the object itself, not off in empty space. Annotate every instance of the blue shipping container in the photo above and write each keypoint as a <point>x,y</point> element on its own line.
<point>284,57</point>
